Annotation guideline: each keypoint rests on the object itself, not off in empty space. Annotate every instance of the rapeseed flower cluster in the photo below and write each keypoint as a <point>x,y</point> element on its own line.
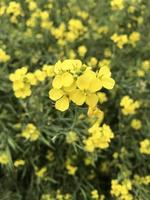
<point>99,137</point>
<point>136,124</point>
<point>117,4</point>
<point>96,196</point>
<point>21,86</point>
<point>30,132</point>
<point>121,190</point>
<point>129,106</point>
<point>145,146</point>
<point>95,115</point>
<point>14,10</point>
<point>76,82</point>
<point>119,40</point>
<point>68,33</point>
<point>134,38</point>
<point>144,180</point>
<point>23,80</point>
<point>71,169</point>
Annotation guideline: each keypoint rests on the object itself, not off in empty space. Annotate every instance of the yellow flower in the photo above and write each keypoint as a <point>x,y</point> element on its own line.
<point>121,190</point>
<point>71,137</point>
<point>75,29</point>
<point>134,38</point>
<point>83,14</point>
<point>131,9</point>
<point>102,97</point>
<point>49,70</point>
<point>3,56</point>
<point>95,115</point>
<point>129,106</point>
<point>18,163</point>
<point>100,137</point>
<point>41,172</point>
<point>117,4</point>
<point>89,160</point>
<point>140,73</point>
<point>145,146</point>
<point>32,5</point>
<point>103,30</point>
<point>87,85</point>
<point>93,62</point>
<point>120,40</point>
<point>104,63</point>
<point>105,78</point>
<point>40,75</point>
<point>31,78</point>
<point>142,180</point>
<point>14,9</point>
<point>136,124</point>
<point>76,26</point>
<point>4,159</point>
<point>146,65</point>
<point>82,50</point>
<point>76,82</point>
<point>46,197</point>
<point>94,194</point>
<point>22,82</point>
<point>30,132</point>
<point>71,169</point>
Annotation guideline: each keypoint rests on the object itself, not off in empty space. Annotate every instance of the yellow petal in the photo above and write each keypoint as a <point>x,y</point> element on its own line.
<point>95,85</point>
<point>90,74</point>
<point>71,88</point>
<point>67,79</point>
<point>62,104</point>
<point>55,94</point>
<point>83,82</point>
<point>104,71</point>
<point>78,97</point>
<point>91,100</point>
<point>57,82</point>
<point>108,83</point>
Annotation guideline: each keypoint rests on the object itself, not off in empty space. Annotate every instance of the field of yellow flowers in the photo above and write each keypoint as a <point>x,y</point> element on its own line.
<point>74,100</point>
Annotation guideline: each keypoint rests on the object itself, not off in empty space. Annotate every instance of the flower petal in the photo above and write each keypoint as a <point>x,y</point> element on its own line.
<point>95,85</point>
<point>91,100</point>
<point>78,97</point>
<point>55,94</point>
<point>108,83</point>
<point>62,104</point>
<point>67,79</point>
<point>57,82</point>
